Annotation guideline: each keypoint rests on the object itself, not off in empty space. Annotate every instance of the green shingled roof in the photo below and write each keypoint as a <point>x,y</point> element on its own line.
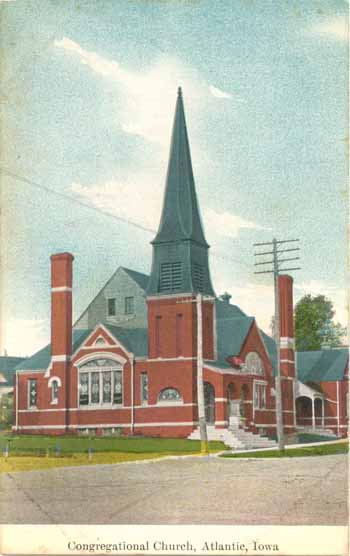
<point>232,327</point>
<point>8,367</point>
<point>138,277</point>
<point>325,365</point>
<point>134,340</point>
<point>41,359</point>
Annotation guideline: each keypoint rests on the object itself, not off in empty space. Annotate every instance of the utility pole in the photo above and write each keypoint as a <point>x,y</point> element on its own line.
<point>200,385</point>
<point>203,433</point>
<point>275,262</point>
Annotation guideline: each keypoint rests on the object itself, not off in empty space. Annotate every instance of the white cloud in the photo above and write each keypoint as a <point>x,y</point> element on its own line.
<point>256,300</point>
<point>218,93</point>
<point>123,199</point>
<point>336,28</point>
<point>337,295</point>
<point>228,224</point>
<point>148,106</point>
<point>23,337</point>
<point>148,103</point>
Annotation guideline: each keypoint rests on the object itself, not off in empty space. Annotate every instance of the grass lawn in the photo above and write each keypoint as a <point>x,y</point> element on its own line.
<point>41,452</point>
<point>38,445</point>
<point>322,450</point>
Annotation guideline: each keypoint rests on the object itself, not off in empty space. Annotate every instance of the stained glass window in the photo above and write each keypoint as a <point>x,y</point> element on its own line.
<point>100,383</point>
<point>54,391</point>
<point>32,392</point>
<point>144,388</point>
<point>170,395</point>
<point>84,389</point>
<point>106,387</point>
<point>95,387</point>
<point>118,389</point>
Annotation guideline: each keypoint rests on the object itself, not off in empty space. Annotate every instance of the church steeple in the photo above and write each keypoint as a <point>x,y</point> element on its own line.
<point>180,251</point>
<point>180,216</point>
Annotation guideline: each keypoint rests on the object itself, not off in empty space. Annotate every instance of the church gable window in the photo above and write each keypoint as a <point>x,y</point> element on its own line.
<point>100,383</point>
<point>253,363</point>
<point>169,395</point>
<point>170,277</point>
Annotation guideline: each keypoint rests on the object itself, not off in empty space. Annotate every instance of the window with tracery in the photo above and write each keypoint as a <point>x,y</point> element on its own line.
<point>100,383</point>
<point>170,395</point>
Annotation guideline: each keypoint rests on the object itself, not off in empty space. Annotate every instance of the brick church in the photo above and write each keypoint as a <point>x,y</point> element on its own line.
<point>129,363</point>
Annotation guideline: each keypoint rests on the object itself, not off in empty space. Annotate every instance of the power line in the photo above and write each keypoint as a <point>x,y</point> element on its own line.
<point>275,270</point>
<point>66,197</point>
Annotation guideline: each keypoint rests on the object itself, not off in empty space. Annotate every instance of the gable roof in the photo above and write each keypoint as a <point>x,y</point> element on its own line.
<point>138,277</point>
<point>326,365</point>
<point>232,327</point>
<point>7,368</point>
<point>41,359</point>
<point>134,340</point>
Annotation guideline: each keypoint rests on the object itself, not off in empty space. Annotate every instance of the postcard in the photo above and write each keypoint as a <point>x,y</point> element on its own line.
<point>174,368</point>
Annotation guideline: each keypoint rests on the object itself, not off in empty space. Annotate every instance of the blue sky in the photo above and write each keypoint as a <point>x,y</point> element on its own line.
<point>87,101</point>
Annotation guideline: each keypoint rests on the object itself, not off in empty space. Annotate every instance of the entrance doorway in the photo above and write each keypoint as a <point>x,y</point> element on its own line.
<point>209,403</point>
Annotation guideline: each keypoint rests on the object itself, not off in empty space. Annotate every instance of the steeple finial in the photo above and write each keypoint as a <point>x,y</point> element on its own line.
<point>179,91</point>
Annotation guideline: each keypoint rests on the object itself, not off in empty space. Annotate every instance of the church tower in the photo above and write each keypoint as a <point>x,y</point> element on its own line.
<point>180,251</point>
<point>180,267</point>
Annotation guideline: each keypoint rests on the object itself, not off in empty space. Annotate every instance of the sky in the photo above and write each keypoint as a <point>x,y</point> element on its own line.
<point>87,101</point>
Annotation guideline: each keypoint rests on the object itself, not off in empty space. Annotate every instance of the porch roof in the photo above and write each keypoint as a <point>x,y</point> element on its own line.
<point>326,365</point>
<point>307,391</point>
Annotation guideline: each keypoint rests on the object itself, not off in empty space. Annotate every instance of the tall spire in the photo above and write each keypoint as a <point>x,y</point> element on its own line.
<point>180,251</point>
<point>180,216</point>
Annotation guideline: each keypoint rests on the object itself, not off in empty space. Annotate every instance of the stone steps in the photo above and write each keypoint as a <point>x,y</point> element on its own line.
<point>235,438</point>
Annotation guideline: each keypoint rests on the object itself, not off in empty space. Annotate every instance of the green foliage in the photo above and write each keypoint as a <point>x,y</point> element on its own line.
<point>6,411</point>
<point>314,326</point>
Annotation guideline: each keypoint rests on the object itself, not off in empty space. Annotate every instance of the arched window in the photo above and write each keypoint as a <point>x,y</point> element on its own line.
<point>253,363</point>
<point>54,383</point>
<point>100,383</point>
<point>169,395</point>
<point>54,391</point>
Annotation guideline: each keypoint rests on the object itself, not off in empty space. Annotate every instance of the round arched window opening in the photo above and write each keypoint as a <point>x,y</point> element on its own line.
<point>170,395</point>
<point>253,363</point>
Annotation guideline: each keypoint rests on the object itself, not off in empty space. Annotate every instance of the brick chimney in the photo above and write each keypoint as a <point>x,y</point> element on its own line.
<point>287,355</point>
<point>61,331</point>
<point>61,306</point>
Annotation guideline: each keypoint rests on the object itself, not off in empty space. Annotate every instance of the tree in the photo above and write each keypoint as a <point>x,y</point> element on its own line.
<point>6,411</point>
<point>314,325</point>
